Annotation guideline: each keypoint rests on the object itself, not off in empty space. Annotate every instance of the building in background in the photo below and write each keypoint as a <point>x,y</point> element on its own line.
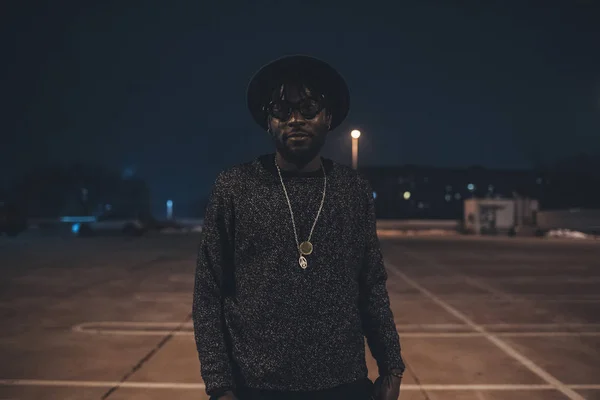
<point>414,192</point>
<point>500,216</point>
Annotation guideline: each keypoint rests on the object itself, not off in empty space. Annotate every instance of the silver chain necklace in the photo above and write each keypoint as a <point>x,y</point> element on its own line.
<point>304,248</point>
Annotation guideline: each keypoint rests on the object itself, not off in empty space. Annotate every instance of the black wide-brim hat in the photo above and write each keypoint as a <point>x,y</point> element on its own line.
<point>269,77</point>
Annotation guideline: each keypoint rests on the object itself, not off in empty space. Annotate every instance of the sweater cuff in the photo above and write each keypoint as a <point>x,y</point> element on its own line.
<point>396,370</point>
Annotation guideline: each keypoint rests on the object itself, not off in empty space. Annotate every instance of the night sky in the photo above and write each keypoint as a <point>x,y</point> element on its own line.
<point>159,87</point>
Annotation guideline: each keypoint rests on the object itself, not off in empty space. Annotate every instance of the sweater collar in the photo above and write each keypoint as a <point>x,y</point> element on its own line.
<point>267,163</point>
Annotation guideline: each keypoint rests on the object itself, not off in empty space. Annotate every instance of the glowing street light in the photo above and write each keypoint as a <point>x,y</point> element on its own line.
<point>406,195</point>
<point>355,135</point>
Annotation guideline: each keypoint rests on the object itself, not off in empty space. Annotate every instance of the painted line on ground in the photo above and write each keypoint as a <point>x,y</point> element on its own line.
<point>406,330</point>
<point>551,279</point>
<point>163,297</point>
<point>115,332</point>
<point>529,364</point>
<point>501,334</point>
<point>74,383</point>
<point>492,299</point>
<point>141,324</point>
<point>513,298</point>
<point>109,329</point>
<point>186,386</point>
<point>542,296</point>
<point>501,326</point>
<point>522,300</point>
<point>460,277</point>
<point>187,278</point>
<point>134,324</point>
<point>419,328</point>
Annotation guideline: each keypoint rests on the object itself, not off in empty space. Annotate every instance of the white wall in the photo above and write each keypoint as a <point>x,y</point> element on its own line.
<point>505,213</point>
<point>578,220</point>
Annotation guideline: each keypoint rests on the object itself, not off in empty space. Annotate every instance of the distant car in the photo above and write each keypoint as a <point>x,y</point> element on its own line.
<point>12,221</point>
<point>110,224</point>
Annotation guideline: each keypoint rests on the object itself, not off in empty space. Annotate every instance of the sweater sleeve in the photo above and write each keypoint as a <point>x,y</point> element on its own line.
<point>215,258</point>
<point>377,318</point>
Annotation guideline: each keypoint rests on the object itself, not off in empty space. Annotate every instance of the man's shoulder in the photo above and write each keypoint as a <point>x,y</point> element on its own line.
<point>234,173</point>
<point>351,175</point>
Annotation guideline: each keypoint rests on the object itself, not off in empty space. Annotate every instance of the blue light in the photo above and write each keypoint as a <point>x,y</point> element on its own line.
<point>128,173</point>
<point>470,186</point>
<point>374,195</point>
<point>75,228</point>
<point>78,219</point>
<point>169,203</point>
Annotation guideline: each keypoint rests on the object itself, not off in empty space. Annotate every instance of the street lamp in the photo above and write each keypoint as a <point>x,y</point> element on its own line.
<point>355,135</point>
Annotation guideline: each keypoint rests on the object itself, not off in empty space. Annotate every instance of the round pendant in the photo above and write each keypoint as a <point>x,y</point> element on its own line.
<point>306,248</point>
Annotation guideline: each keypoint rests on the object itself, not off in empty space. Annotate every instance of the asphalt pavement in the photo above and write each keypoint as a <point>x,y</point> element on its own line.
<point>489,318</point>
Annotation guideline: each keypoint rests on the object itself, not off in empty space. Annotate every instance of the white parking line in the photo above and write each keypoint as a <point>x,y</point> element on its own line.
<point>541,280</point>
<point>163,297</point>
<point>129,384</point>
<point>435,327</point>
<point>540,326</point>
<point>132,332</point>
<point>542,296</point>
<point>522,299</point>
<point>403,334</point>
<point>187,386</point>
<point>133,324</point>
<point>501,334</point>
<point>558,385</point>
<point>187,278</point>
<point>542,300</point>
<point>126,328</point>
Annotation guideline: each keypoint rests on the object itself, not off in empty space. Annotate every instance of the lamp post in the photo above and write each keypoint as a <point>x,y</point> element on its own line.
<point>355,135</point>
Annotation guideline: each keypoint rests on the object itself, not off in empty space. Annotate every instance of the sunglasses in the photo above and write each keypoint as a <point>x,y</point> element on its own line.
<point>282,110</point>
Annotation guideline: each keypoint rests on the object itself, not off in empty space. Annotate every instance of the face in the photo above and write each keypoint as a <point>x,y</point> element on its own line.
<point>298,123</point>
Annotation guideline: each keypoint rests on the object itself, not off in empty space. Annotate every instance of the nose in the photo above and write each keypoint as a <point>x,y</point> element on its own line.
<point>296,119</point>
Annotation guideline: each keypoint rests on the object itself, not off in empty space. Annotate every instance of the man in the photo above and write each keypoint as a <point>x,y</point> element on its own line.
<point>290,277</point>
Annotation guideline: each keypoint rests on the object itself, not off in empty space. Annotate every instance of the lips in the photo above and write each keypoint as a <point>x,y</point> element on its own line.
<point>298,134</point>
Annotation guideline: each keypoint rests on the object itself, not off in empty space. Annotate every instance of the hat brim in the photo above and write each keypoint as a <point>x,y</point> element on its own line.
<point>266,80</point>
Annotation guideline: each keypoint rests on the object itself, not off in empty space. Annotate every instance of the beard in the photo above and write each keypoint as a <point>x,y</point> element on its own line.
<point>300,155</point>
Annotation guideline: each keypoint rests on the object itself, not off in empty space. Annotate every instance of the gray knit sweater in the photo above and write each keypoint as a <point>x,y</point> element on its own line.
<point>262,321</point>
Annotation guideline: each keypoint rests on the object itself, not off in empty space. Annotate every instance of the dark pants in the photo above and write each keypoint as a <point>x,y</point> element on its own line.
<point>359,390</point>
